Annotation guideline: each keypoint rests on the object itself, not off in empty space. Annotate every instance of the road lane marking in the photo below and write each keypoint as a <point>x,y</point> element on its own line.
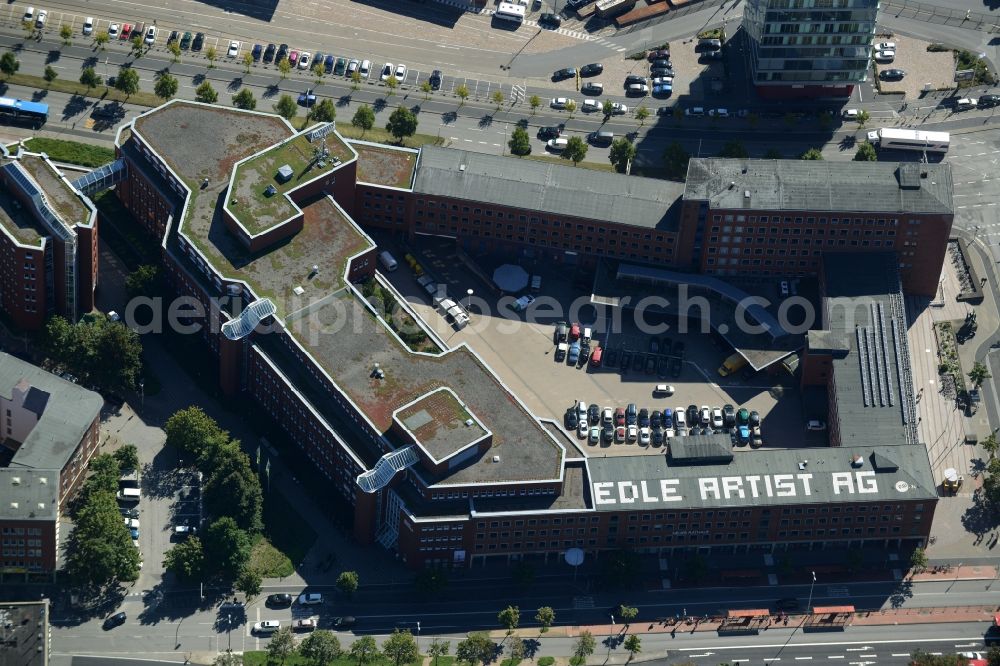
<point>803,658</point>
<point>835,656</point>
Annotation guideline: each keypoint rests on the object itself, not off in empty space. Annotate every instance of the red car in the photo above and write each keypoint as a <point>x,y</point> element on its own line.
<point>659,54</point>
<point>620,416</point>
<point>293,58</point>
<point>595,357</point>
<point>126,31</point>
<point>574,332</point>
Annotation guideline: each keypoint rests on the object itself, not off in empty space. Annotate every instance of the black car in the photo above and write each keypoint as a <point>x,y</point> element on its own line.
<point>592,69</point>
<point>643,418</point>
<point>566,73</point>
<point>657,437</point>
<point>665,111</point>
<point>692,415</point>
<point>663,366</point>
<point>592,88</point>
<point>115,620</point>
<point>658,72</point>
<point>257,51</point>
<point>282,53</point>
<point>308,98</point>
<point>608,434</point>
<point>174,36</point>
<point>345,622</point>
<point>679,348</point>
<point>661,63</point>
<point>787,604</point>
<point>891,74</point>
<point>666,344</point>
<point>638,362</point>
<point>279,600</point>
<point>675,367</point>
<point>594,414</point>
<point>651,365</point>
<point>269,53</point>
<point>551,132</point>
<point>550,20</point>
<point>729,416</point>
<point>626,361</point>
<point>655,419</point>
<point>109,111</point>
<point>435,80</point>
<point>199,41</point>
<point>633,79</point>
<point>570,419</point>
<point>987,101</point>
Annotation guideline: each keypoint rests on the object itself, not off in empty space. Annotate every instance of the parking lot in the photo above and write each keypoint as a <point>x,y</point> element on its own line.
<point>522,351</point>
<point>935,69</point>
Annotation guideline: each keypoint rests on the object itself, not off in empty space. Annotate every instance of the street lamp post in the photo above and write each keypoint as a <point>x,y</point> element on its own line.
<point>468,303</point>
<point>229,630</point>
<point>142,394</point>
<point>796,627</point>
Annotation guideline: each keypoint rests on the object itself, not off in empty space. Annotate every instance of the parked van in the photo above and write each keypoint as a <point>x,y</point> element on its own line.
<point>387,261</point>
<point>732,364</point>
<point>601,138</point>
<point>709,44</point>
<point>129,495</point>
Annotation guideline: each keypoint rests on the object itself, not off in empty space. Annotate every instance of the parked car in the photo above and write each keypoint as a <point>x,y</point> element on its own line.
<point>594,414</point>
<point>754,418</point>
<point>986,101</point>
<point>565,73</point>
<point>305,59</point>
<point>659,54</point>
<point>523,302</point>
<point>634,79</point>
<point>661,64</point>
<point>269,53</point>
<point>743,416</point>
<point>620,434</point>
<point>150,38</point>
<point>886,46</point>
<point>308,98</point>
<point>645,436</point>
<point>887,55</point>
<point>550,132</point>
<point>352,67</point>
<point>400,72</point>
<point>126,31</point>
<point>570,419</point>
<point>592,69</point>
<point>965,104</point>
<point>891,74</point>
<point>328,62</point>
<point>592,88</point>
<point>304,624</point>
<point>717,421</point>
<point>435,79</point>
<point>310,599</point>
<point>663,389</point>
<point>815,424</point>
<point>234,50</point>
<point>366,68</point>
<point>632,433</point>
<point>549,20</point>
<point>643,418</point>
<point>115,620</point>
<point>590,106</point>
<point>114,29</point>
<point>88,25</point>
<point>705,415</point>
<point>198,42</point>
<point>557,145</point>
<point>729,416</point>
<point>257,52</point>
<point>40,21</point>
<point>341,66</point>
<point>266,627</point>
<point>637,90</point>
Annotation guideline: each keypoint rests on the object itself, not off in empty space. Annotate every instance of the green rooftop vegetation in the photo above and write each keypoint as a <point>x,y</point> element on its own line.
<point>59,194</point>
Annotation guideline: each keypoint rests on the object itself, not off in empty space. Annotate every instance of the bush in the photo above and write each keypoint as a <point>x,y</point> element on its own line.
<point>715,33</point>
<point>937,48</point>
<point>546,661</point>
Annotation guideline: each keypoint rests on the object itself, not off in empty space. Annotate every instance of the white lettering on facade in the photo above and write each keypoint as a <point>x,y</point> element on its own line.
<point>752,480</point>
<point>624,497</point>
<point>602,492</point>
<point>866,482</point>
<point>805,479</point>
<point>783,485</point>
<point>669,489</point>
<point>646,497</point>
<point>732,486</point>
<point>842,481</point>
<point>708,486</point>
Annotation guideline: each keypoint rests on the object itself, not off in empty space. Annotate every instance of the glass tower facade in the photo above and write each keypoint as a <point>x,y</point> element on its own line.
<point>810,43</point>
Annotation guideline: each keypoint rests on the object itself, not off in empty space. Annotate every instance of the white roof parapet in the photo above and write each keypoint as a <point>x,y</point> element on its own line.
<point>253,314</point>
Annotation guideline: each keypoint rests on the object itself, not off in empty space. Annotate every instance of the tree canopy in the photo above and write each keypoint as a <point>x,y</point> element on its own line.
<point>402,123</point>
<point>622,152</point>
<point>85,347</point>
<point>400,647</point>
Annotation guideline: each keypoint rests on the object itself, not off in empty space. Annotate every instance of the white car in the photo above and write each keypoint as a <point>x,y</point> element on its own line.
<point>815,424</point>
<point>234,49</point>
<point>632,433</point>
<point>607,417</point>
<point>617,108</point>
<point>305,60</point>
<point>886,46</point>
<point>717,418</point>
<point>266,627</point>
<point>400,73</point>
<point>559,102</point>
<point>590,105</point>
<point>718,113</point>
<point>523,302</point>
<point>965,104</point>
<point>366,68</point>
<point>581,411</point>
<point>645,436</point>
<point>595,435</point>
<point>972,655</point>
<point>305,624</point>
<point>663,81</point>
<point>113,30</point>
<point>312,599</point>
<point>40,21</point>
<point>557,145</point>
<point>851,114</point>
<point>663,389</point>
<point>680,419</point>
<point>582,430</point>
<point>29,14</point>
<point>150,35</point>
<point>705,415</point>
<point>88,25</point>
<point>885,56</point>
<point>386,72</point>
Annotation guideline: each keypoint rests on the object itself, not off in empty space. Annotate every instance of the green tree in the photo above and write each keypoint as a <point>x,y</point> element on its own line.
<point>227,547</point>
<point>534,102</point>
<point>244,99</point>
<point>206,93</point>
<point>622,153</point>
<point>175,52</point>
<point>426,88</point>
<point>231,487</point>
<point>633,644</point>
<point>862,118</point>
<point>734,149</point>
<point>400,648</point>
<point>364,118</point>
<point>516,651</point>
<point>249,582</point>
<point>440,648</point>
<point>571,107</point>
<point>993,656</point>
<point>608,108</point>
<point>584,646</point>
<point>812,154</point>
<point>318,71</point>
<point>520,142</point>
<point>364,650</point>
<point>324,112</point>
<point>127,457</point>
<point>347,582</point>
<point>463,94</point>
<point>498,98</point>
<point>29,28</point>
<point>918,560</point>
<point>477,647</point>
<point>191,431</point>
<point>355,79</point>
<point>431,581</point>
<point>127,81</point>
<point>211,54</point>
<point>391,83</point>
<point>866,153</point>
<point>66,32</point>
<point>675,161</point>
<point>286,107</point>
<point>9,64</point>
<point>247,62</point>
<point>641,114</point>
<point>575,150</point>
<point>84,347</point>
<point>627,614</point>
<point>136,45</point>
<point>321,647</point>
<point>99,552</point>
<point>509,618</point>
<point>166,86</point>
<point>402,123</point>
<point>89,77</point>
<point>101,38</point>
<point>979,374</point>
<point>921,658</point>
<point>284,67</point>
<point>228,658</point>
<point>186,560</point>
<point>991,445</point>
<point>281,646</point>
<point>772,154</point>
<point>545,616</point>
<point>50,74</point>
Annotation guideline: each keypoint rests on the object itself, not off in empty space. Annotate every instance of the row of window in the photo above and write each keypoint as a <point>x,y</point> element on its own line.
<point>21,531</point>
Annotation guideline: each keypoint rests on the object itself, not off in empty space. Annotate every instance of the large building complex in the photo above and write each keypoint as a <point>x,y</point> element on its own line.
<point>50,429</point>
<point>440,460</point>
<point>48,244</point>
<point>809,48</point>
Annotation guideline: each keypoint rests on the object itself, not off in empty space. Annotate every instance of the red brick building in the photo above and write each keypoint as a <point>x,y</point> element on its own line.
<point>439,459</point>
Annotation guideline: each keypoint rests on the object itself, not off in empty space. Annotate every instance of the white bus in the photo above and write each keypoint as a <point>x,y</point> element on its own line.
<point>891,138</point>
<point>509,11</point>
